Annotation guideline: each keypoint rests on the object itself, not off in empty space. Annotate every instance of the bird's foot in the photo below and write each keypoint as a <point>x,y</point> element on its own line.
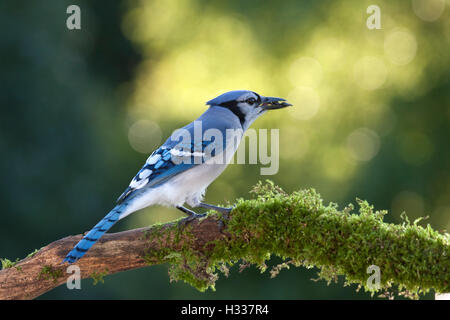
<point>191,216</point>
<point>185,221</point>
<point>225,212</point>
<point>225,217</point>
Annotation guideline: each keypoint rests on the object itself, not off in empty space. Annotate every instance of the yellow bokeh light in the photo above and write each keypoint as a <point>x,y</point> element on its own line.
<point>370,73</point>
<point>335,164</point>
<point>336,77</point>
<point>428,10</point>
<point>144,136</point>
<point>400,47</point>
<point>306,101</point>
<point>330,51</point>
<point>301,139</point>
<point>363,144</point>
<point>210,63</point>
<point>306,71</point>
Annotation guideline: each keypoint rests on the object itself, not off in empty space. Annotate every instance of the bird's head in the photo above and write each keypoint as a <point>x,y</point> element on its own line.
<point>247,105</point>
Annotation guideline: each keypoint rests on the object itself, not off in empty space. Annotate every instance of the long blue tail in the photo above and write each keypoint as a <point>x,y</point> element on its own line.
<point>96,233</point>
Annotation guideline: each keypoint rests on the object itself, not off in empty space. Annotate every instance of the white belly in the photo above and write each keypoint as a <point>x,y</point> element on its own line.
<point>187,187</point>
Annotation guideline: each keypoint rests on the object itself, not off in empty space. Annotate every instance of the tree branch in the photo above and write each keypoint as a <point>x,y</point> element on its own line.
<point>113,253</point>
<point>296,227</point>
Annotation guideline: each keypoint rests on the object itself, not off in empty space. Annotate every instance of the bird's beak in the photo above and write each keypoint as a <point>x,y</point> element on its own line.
<point>272,103</point>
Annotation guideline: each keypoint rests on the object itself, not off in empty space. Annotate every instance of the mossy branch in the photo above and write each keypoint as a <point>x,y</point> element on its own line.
<point>297,227</point>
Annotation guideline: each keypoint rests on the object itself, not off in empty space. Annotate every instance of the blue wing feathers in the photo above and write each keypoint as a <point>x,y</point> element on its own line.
<point>162,165</point>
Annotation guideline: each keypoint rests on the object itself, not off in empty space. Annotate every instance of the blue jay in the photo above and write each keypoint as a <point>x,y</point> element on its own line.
<point>179,172</point>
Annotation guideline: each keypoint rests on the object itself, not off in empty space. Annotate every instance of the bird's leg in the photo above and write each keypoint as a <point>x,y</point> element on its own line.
<point>224,211</point>
<point>191,215</point>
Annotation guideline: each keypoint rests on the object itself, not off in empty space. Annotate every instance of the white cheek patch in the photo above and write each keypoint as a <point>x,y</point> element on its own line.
<point>244,108</point>
<point>250,112</point>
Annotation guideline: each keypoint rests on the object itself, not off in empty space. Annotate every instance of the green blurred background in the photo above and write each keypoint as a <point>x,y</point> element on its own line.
<point>81,110</point>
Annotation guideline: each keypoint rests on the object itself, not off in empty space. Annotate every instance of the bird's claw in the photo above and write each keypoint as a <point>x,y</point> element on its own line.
<point>225,211</point>
<point>184,222</point>
<point>225,216</point>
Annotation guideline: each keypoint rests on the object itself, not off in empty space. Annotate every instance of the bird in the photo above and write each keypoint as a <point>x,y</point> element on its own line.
<point>180,170</point>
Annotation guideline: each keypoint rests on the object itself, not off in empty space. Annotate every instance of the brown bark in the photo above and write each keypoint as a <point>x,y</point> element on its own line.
<point>111,254</point>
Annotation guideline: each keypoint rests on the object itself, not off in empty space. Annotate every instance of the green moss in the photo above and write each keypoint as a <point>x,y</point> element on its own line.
<point>6,263</point>
<point>300,229</point>
<point>32,253</point>
<point>98,276</point>
<point>48,272</point>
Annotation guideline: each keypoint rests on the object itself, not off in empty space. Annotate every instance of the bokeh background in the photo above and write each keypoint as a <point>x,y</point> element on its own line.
<point>81,110</point>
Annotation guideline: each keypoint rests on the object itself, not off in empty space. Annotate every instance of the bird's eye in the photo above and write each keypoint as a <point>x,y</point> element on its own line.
<point>251,100</point>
